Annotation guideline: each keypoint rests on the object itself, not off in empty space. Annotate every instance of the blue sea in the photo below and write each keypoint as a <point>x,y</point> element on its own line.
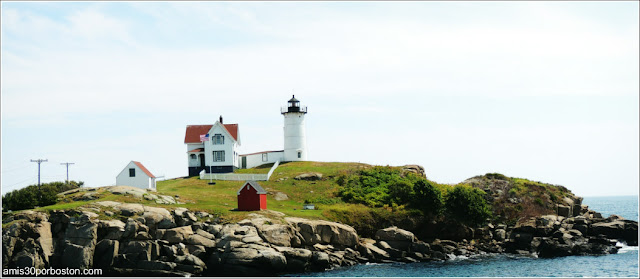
<point>623,264</point>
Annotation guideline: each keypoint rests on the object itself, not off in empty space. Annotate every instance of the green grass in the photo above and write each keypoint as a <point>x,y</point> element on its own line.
<point>221,198</point>
<point>257,170</point>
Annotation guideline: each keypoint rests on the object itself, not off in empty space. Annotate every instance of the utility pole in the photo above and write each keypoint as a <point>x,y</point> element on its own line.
<point>39,161</point>
<point>67,170</point>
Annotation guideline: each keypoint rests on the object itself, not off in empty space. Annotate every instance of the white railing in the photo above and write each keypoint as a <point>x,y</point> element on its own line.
<point>240,176</point>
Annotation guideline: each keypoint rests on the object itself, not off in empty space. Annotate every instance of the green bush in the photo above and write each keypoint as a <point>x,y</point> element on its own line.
<point>32,195</point>
<point>377,187</point>
<point>400,192</point>
<point>427,198</point>
<point>498,176</point>
<point>467,205</point>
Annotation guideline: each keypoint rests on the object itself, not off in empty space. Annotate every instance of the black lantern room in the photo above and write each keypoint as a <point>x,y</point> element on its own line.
<point>293,105</point>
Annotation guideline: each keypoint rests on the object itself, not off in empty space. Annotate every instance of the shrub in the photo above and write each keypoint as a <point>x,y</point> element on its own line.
<point>371,186</point>
<point>427,198</point>
<point>400,192</point>
<point>32,195</point>
<point>323,200</point>
<point>498,176</point>
<point>467,205</point>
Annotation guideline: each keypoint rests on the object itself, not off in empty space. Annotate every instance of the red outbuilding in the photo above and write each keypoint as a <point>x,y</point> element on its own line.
<point>252,197</point>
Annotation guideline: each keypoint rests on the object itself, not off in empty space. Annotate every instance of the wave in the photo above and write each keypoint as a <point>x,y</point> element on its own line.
<point>624,248</point>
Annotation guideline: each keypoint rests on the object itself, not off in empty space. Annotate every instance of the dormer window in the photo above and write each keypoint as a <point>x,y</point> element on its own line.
<point>217,139</point>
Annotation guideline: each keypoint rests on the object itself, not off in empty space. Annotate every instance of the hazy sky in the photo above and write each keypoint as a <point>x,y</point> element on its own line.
<point>542,90</point>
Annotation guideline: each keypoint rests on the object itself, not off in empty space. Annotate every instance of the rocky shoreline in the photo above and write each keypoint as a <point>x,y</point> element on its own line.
<point>153,241</point>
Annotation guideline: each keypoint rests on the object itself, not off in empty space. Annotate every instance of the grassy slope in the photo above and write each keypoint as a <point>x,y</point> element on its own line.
<point>221,198</point>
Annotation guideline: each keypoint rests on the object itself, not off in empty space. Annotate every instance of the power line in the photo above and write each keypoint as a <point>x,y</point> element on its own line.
<point>14,168</point>
<point>67,169</point>
<point>28,179</point>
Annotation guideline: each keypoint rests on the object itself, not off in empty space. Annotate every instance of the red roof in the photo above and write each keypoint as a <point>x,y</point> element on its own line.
<point>193,132</point>
<point>145,170</point>
<point>197,150</point>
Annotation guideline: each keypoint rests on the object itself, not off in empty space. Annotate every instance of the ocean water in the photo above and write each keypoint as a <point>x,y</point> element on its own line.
<point>623,264</point>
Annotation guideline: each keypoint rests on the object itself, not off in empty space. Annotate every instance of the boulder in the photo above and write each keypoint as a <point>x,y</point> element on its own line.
<point>417,169</point>
<point>395,234</point>
<point>82,232</point>
<point>522,240</point>
<point>106,250</point>
<point>154,216</point>
<point>310,176</point>
<point>280,196</point>
<point>320,260</point>
<point>297,258</point>
<point>204,233</point>
<point>189,260</point>
<point>550,248</point>
<point>77,256</point>
<point>111,229</point>
<point>141,250</point>
<point>630,234</point>
<point>28,258</point>
<point>500,235</point>
<point>130,209</point>
<point>612,229</point>
<point>130,228</point>
<point>421,247</point>
<point>156,265</point>
<point>178,234</point>
<point>196,250</point>
<point>196,239</point>
<point>44,239</point>
<point>564,210</point>
<point>324,232</point>
<point>273,259</point>
<point>277,234</point>
<point>31,216</point>
<point>372,251</point>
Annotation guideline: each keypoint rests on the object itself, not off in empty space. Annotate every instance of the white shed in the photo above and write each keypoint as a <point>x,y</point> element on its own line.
<point>136,175</point>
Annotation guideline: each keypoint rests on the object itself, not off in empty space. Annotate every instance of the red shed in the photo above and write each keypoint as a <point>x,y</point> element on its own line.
<point>252,197</point>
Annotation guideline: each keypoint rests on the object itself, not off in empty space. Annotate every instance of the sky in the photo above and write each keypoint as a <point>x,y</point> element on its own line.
<point>541,90</point>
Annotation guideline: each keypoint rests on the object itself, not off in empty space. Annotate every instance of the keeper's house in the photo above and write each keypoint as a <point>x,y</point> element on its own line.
<point>219,142</point>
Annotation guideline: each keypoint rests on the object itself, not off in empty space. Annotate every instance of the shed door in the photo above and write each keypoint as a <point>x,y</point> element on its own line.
<point>244,162</point>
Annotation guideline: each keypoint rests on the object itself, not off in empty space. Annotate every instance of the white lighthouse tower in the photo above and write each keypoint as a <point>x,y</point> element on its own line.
<point>295,141</point>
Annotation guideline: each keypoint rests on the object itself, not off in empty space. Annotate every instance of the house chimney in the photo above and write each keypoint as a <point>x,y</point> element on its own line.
<point>221,119</point>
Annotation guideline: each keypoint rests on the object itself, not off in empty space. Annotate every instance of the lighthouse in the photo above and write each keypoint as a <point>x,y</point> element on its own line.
<point>295,141</point>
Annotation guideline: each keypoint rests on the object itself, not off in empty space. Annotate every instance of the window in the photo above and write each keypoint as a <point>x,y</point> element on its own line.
<point>265,157</point>
<point>218,156</point>
<point>299,154</point>
<point>193,156</point>
<point>132,172</point>
<point>217,139</point>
